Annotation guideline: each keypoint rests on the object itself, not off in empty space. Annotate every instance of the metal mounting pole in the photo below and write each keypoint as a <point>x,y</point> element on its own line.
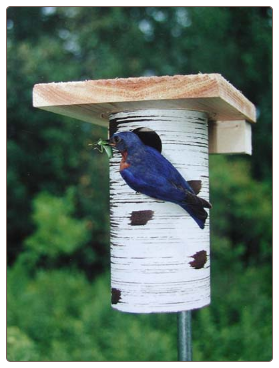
<point>184,336</point>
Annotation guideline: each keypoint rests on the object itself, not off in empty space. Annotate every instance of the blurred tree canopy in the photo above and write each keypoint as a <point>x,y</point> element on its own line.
<point>58,194</point>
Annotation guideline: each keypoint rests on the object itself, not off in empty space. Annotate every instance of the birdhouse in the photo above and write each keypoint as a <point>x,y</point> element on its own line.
<point>160,257</point>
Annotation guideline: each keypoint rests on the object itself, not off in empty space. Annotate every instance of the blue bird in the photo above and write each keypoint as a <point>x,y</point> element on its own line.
<point>148,172</point>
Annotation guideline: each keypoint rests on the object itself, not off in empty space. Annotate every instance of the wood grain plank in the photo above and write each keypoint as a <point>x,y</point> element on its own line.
<point>209,93</point>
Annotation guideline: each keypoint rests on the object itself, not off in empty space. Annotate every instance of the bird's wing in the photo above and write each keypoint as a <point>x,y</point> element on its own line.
<point>159,164</point>
<point>154,175</point>
<point>152,184</point>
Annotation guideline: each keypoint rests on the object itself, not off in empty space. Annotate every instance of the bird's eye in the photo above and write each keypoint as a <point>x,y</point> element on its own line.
<point>116,139</point>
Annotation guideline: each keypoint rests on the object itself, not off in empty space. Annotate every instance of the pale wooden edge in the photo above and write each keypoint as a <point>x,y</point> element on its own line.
<point>236,99</point>
<point>230,137</point>
<point>103,93</point>
<point>74,113</point>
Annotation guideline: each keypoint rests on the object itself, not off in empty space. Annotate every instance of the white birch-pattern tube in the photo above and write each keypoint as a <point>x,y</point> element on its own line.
<point>160,258</point>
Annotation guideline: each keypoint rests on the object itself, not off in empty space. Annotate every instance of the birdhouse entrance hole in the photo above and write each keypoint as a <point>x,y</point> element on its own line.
<point>149,137</point>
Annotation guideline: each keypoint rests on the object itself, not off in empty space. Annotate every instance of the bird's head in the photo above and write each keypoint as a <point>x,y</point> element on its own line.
<point>125,141</point>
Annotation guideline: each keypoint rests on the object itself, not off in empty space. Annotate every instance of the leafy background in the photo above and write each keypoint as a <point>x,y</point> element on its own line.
<point>58,288</point>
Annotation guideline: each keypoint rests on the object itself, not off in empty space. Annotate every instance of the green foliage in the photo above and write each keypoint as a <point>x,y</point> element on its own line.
<point>19,346</point>
<point>243,211</point>
<point>66,318</point>
<point>58,212</point>
<point>57,232</point>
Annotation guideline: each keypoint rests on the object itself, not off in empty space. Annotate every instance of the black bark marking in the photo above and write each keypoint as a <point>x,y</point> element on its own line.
<point>195,185</point>
<point>115,296</point>
<point>199,261</point>
<point>141,217</point>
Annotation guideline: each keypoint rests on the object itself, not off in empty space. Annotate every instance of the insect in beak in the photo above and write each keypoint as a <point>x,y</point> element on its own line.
<point>104,145</point>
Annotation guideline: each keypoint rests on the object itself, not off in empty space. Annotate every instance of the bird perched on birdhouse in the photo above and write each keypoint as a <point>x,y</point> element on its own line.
<point>148,172</point>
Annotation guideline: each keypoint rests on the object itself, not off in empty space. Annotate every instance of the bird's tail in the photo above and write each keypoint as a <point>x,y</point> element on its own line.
<point>196,210</point>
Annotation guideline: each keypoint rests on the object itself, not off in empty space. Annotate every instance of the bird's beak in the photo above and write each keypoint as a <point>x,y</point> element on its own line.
<point>110,142</point>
